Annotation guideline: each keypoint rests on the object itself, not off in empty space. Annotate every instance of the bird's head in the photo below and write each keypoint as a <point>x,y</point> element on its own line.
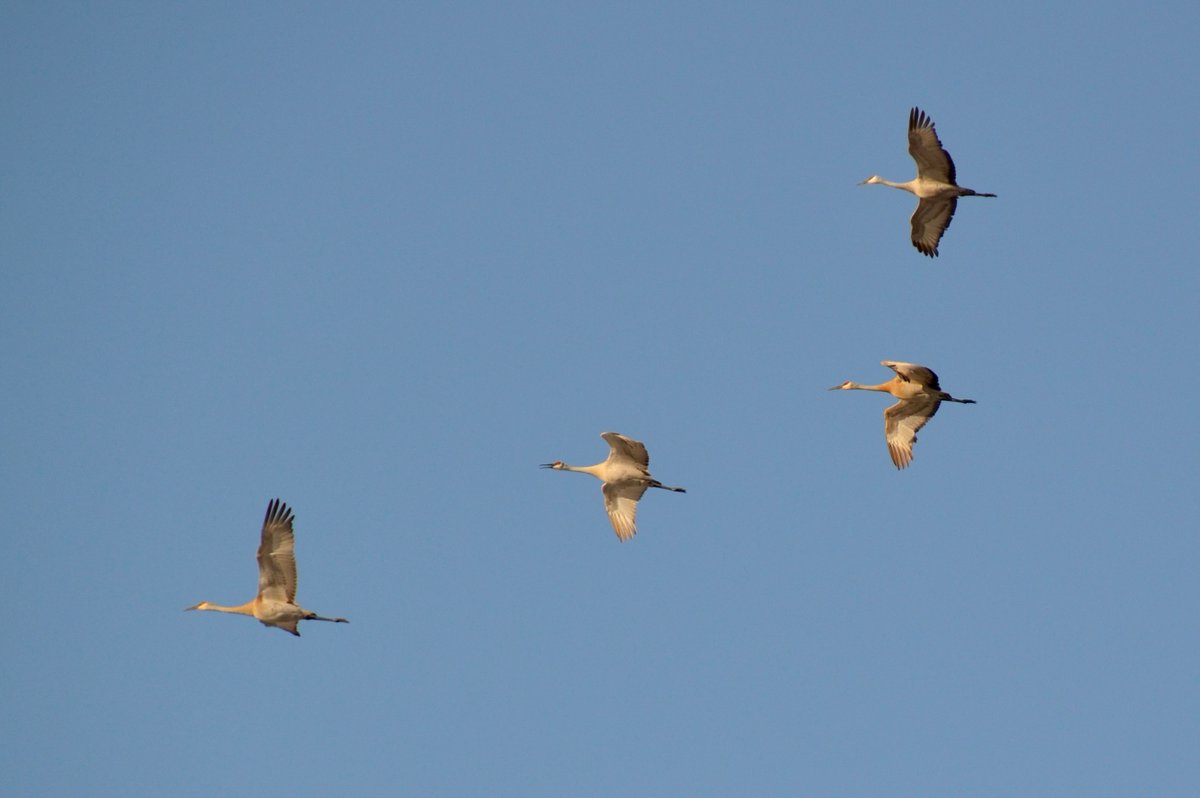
<point>871,179</point>
<point>203,605</point>
<point>843,386</point>
<point>557,465</point>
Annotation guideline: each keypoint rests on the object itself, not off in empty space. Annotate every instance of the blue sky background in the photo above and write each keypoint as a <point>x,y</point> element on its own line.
<point>381,260</point>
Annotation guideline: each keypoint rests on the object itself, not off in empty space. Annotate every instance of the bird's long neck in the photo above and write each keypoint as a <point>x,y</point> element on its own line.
<point>594,470</point>
<point>902,186</point>
<point>886,387</point>
<point>243,609</point>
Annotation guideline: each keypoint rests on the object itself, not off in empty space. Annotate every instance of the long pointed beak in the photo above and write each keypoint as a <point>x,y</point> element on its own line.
<point>546,465</point>
<point>834,388</point>
<point>194,606</point>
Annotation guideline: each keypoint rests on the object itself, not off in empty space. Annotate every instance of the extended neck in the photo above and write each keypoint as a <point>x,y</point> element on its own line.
<point>909,186</point>
<point>594,470</point>
<point>244,609</point>
<point>885,387</point>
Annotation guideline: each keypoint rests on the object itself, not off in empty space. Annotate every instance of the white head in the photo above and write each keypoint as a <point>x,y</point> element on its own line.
<point>871,179</point>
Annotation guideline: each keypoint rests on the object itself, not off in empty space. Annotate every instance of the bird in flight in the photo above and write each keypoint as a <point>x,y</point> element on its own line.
<point>920,396</point>
<point>275,605</point>
<point>934,185</point>
<point>626,476</point>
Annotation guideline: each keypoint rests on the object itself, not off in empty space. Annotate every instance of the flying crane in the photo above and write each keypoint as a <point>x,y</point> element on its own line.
<point>920,396</point>
<point>275,605</point>
<point>934,184</point>
<point>626,476</point>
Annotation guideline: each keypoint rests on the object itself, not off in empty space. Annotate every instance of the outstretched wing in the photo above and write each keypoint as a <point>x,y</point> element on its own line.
<point>911,372</point>
<point>901,422</point>
<point>276,555</point>
<point>626,448</point>
<point>933,162</point>
<point>620,500</point>
<point>930,221</point>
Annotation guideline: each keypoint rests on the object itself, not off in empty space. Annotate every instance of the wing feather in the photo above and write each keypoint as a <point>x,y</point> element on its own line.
<point>930,221</point>
<point>276,555</point>
<point>933,162</point>
<point>901,422</point>
<point>620,500</point>
<point>628,448</point>
<point>911,372</point>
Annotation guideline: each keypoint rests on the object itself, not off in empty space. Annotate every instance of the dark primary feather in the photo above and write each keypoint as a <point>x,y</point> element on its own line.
<point>930,221</point>
<point>276,554</point>
<point>926,149</point>
<point>634,450</point>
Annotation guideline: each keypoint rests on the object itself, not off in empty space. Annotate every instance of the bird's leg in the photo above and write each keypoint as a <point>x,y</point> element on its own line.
<point>314,617</point>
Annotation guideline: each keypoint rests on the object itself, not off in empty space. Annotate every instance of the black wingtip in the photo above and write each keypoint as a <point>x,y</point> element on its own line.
<point>278,511</point>
<point>918,119</point>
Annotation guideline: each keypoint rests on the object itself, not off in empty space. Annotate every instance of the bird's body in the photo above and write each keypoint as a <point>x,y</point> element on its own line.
<point>275,605</point>
<point>935,185</point>
<point>626,476</point>
<point>920,396</point>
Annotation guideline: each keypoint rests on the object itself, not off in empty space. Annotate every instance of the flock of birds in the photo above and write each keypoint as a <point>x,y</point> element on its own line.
<point>625,473</point>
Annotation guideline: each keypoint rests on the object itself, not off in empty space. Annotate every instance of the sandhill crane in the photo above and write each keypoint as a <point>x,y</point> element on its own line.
<point>920,395</point>
<point>626,475</point>
<point>275,604</point>
<point>934,184</point>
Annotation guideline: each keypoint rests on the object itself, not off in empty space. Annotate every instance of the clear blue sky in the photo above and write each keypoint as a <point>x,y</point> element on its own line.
<point>381,260</point>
